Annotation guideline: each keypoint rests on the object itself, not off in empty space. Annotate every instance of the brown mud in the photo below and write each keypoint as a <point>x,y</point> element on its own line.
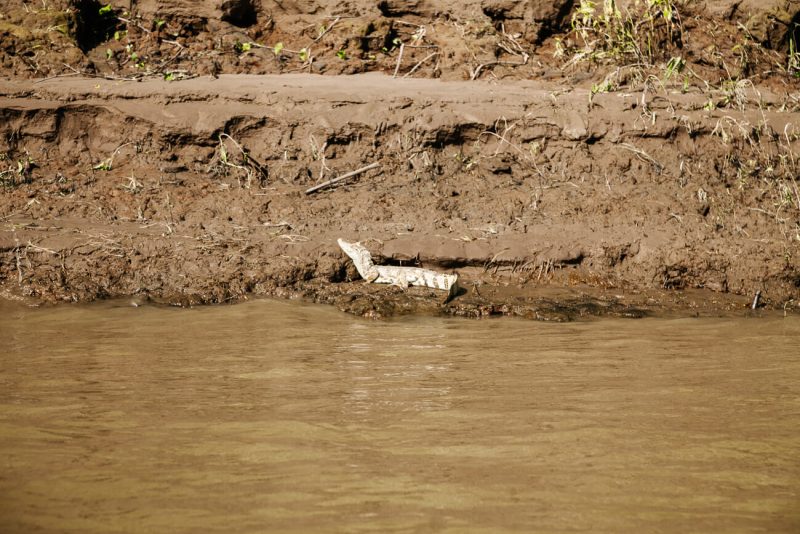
<point>556,187</point>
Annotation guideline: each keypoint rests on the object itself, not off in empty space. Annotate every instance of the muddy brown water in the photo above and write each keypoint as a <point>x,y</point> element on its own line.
<point>280,417</point>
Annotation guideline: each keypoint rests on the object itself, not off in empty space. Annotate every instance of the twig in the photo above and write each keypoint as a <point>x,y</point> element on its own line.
<point>399,59</point>
<point>409,24</point>
<point>169,60</point>
<point>282,224</point>
<point>247,159</point>
<point>475,73</point>
<point>295,238</point>
<point>40,249</point>
<point>326,30</point>
<point>136,78</point>
<point>514,48</point>
<point>176,43</point>
<point>644,156</point>
<point>4,217</point>
<point>108,163</point>
<point>40,80</point>
<point>136,23</point>
<point>426,58</point>
<point>342,177</point>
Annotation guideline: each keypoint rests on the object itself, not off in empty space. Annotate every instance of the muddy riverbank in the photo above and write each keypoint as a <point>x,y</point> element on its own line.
<point>542,192</point>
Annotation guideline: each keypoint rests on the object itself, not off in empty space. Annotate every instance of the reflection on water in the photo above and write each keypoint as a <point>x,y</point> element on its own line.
<point>380,380</point>
<point>278,417</point>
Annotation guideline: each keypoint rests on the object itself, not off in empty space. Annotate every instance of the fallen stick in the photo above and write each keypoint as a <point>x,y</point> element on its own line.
<point>409,73</point>
<point>399,59</point>
<point>342,177</point>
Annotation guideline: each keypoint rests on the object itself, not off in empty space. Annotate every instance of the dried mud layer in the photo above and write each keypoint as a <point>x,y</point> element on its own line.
<point>161,151</point>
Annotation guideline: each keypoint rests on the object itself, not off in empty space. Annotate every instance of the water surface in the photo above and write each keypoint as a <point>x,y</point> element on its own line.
<point>279,417</point>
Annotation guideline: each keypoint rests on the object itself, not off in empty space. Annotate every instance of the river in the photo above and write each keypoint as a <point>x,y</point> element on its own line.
<point>281,417</point>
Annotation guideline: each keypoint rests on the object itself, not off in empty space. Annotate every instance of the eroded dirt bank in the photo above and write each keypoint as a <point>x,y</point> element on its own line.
<point>565,157</point>
<point>551,202</point>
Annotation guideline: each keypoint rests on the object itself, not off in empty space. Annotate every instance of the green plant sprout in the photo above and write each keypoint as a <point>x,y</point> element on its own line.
<point>105,165</point>
<point>108,163</point>
<point>242,48</point>
<point>245,164</point>
<point>22,174</point>
<point>675,64</point>
<point>794,59</point>
<point>603,87</point>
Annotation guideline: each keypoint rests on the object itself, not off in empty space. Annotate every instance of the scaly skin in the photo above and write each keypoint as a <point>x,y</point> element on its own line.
<point>399,276</point>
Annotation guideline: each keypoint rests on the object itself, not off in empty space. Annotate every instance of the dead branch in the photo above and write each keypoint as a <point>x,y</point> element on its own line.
<point>342,177</point>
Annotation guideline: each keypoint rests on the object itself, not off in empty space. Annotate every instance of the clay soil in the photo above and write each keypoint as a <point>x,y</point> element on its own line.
<point>162,152</point>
